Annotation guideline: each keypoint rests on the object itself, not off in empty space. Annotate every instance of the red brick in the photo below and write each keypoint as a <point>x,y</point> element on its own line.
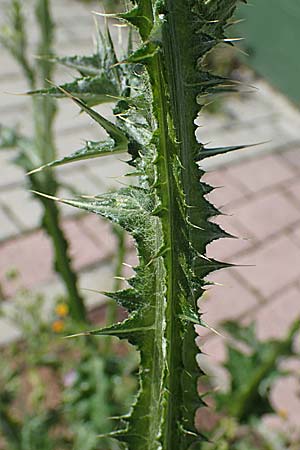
<point>274,319</point>
<point>260,173</point>
<point>268,214</point>
<point>276,266</point>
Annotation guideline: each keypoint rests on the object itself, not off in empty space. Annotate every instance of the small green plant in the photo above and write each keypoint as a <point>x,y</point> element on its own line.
<point>54,393</point>
<point>38,149</point>
<point>253,367</point>
<point>253,372</point>
<point>159,88</point>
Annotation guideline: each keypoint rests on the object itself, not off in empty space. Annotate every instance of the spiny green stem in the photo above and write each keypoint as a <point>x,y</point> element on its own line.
<point>168,215</point>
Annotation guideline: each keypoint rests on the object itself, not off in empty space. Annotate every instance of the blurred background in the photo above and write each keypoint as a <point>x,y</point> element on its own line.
<point>58,394</point>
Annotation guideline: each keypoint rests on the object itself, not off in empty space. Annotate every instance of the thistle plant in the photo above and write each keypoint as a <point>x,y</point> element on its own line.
<point>40,148</point>
<point>158,89</point>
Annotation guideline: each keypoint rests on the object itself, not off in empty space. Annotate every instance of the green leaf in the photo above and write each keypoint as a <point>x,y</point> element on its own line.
<point>88,66</point>
<point>92,90</point>
<point>253,372</point>
<point>89,151</point>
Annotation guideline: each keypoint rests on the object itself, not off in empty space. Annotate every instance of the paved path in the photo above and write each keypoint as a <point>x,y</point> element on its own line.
<point>261,197</point>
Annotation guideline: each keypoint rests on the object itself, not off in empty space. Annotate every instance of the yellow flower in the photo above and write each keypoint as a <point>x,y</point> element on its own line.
<point>58,326</point>
<point>62,310</point>
<point>283,414</point>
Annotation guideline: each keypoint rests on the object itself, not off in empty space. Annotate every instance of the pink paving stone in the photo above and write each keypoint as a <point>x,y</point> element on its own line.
<point>285,397</point>
<point>267,214</point>
<point>226,192</point>
<point>274,319</point>
<point>31,256</point>
<point>83,250</point>
<point>260,173</point>
<point>276,266</point>
<point>214,348</point>
<point>294,190</point>
<point>225,249</point>
<point>228,301</point>
<point>131,260</point>
<point>100,231</point>
<point>295,234</point>
<point>7,226</point>
<point>293,156</point>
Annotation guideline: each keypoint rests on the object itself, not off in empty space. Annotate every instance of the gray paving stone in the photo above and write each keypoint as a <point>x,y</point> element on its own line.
<point>111,172</point>
<point>7,227</point>
<point>81,182</point>
<point>23,207</point>
<point>10,172</point>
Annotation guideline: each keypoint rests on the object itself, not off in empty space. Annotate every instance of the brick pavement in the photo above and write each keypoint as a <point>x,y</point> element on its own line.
<point>261,199</point>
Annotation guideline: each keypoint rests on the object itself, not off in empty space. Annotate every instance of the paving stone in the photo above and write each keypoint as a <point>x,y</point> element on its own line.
<point>226,249</point>
<point>227,191</point>
<point>70,140</point>
<point>250,108</point>
<point>276,266</point>
<point>228,301</point>
<point>37,269</point>
<point>274,319</point>
<point>9,67</point>
<point>31,257</point>
<point>100,231</point>
<point>294,190</point>
<point>261,173</point>
<point>213,349</point>
<point>83,250</point>
<point>8,99</point>
<point>10,173</point>
<point>98,279</point>
<point>293,156</point>
<point>131,261</point>
<point>111,170</point>
<point>23,206</point>
<point>69,119</point>
<point>259,133</point>
<point>267,214</point>
<point>18,117</point>
<point>285,397</point>
<point>81,182</point>
<point>295,235</point>
<point>7,227</point>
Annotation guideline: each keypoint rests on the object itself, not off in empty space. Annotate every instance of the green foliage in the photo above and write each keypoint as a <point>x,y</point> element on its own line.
<point>253,367</point>
<point>36,150</point>
<point>231,435</point>
<point>58,393</point>
<point>161,86</point>
<point>253,372</point>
